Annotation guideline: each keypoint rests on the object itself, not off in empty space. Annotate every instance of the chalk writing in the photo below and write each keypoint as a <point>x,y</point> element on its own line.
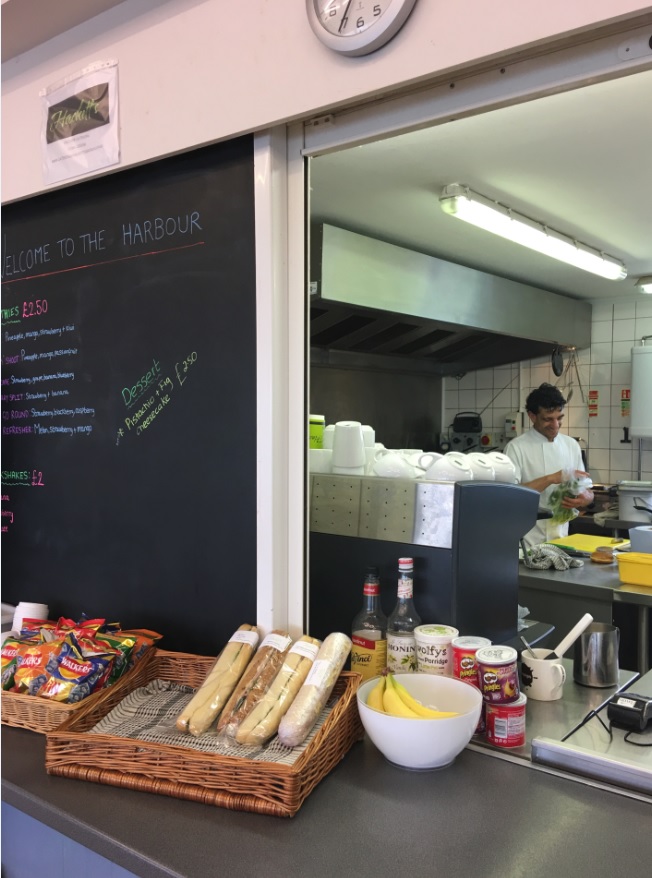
<point>16,431</point>
<point>39,419</point>
<point>181,368</point>
<point>24,260</point>
<point>37,333</point>
<point>15,477</point>
<point>131,395</point>
<point>37,379</point>
<point>22,477</point>
<point>35,308</point>
<point>92,241</point>
<point>58,413</point>
<point>21,262</point>
<point>11,315</point>
<point>40,430</point>
<point>48,355</point>
<point>155,229</point>
<point>160,390</point>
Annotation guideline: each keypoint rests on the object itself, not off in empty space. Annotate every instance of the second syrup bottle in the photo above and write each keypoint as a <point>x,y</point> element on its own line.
<point>401,643</point>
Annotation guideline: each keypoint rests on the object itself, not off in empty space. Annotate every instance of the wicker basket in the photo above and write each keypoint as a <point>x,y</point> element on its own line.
<point>42,714</point>
<point>238,784</point>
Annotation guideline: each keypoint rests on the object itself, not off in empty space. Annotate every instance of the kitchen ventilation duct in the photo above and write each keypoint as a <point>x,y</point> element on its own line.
<point>374,304</point>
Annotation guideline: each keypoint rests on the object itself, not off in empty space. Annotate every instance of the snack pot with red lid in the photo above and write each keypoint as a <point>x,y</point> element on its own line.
<point>498,674</point>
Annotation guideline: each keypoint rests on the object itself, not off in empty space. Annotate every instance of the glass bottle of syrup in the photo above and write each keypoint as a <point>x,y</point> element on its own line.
<point>401,643</point>
<point>369,631</point>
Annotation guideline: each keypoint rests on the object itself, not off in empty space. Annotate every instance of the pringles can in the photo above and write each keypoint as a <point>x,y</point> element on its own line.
<point>465,666</point>
<point>498,674</point>
<point>505,723</point>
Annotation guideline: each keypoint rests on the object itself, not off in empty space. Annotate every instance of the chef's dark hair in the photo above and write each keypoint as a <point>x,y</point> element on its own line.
<point>546,397</point>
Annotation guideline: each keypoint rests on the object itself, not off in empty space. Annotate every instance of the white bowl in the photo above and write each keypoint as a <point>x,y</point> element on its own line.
<point>449,469</point>
<point>424,743</point>
<point>503,467</point>
<point>481,466</point>
<point>392,465</point>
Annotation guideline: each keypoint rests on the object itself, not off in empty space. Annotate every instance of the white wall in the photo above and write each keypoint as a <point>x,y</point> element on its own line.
<point>605,367</point>
<point>196,71</point>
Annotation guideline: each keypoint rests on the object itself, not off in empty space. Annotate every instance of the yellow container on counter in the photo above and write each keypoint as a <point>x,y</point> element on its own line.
<point>635,568</point>
<point>316,432</point>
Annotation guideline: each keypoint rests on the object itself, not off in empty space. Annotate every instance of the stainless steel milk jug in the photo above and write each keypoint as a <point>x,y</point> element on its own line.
<point>596,656</point>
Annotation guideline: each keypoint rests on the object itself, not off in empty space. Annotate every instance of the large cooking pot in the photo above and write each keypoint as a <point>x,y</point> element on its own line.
<point>635,501</point>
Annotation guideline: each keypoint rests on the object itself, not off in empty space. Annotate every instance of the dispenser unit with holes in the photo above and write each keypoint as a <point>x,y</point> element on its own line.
<point>463,536</point>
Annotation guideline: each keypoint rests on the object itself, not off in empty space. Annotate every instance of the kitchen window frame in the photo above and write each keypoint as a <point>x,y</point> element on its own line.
<point>282,246</point>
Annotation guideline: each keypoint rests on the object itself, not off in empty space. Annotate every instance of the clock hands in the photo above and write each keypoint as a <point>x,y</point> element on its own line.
<point>357,28</point>
<point>345,17</point>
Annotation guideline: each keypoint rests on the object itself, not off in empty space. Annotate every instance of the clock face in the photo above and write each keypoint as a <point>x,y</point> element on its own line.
<point>345,19</point>
<point>357,27</point>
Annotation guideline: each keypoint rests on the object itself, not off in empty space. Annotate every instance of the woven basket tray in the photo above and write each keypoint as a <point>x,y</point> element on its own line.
<point>229,782</point>
<point>42,714</point>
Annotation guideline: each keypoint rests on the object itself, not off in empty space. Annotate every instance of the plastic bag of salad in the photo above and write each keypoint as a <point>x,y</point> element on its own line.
<point>571,485</point>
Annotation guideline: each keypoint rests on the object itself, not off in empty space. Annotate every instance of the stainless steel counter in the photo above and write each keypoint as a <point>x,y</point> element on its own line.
<point>596,749</point>
<point>589,753</point>
<point>596,587</point>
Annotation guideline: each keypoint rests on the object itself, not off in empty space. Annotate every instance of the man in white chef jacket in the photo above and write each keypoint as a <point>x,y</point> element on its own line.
<point>542,455</point>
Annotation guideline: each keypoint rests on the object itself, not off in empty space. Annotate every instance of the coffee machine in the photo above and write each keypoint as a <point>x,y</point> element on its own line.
<point>463,537</point>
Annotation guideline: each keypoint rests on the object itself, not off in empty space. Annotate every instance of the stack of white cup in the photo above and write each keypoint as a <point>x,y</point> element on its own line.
<point>349,457</point>
<point>341,446</point>
<point>27,610</point>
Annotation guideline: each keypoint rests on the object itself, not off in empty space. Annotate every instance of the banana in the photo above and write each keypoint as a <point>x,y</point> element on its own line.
<point>375,697</point>
<point>393,704</point>
<point>416,706</point>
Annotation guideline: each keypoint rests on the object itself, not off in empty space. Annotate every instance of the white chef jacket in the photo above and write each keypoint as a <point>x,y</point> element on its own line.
<point>534,456</point>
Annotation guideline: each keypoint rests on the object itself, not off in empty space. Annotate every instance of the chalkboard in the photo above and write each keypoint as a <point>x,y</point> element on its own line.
<point>129,398</point>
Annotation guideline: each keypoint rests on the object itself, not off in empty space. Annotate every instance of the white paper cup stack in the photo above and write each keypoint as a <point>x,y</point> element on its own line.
<point>27,610</point>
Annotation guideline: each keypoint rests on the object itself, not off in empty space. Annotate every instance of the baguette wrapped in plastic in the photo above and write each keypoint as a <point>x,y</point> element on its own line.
<point>316,690</point>
<point>255,681</point>
<point>263,721</point>
<point>207,702</point>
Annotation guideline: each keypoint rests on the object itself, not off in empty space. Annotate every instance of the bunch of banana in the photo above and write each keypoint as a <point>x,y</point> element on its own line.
<point>390,696</point>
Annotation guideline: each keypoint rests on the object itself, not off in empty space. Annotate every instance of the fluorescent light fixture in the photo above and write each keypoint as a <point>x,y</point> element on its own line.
<point>644,284</point>
<point>459,201</point>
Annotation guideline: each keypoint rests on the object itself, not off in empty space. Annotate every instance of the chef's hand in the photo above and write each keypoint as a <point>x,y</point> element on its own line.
<point>542,482</point>
<point>579,502</point>
<point>582,500</point>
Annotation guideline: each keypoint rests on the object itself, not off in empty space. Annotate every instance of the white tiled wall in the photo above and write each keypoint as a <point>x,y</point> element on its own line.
<point>605,367</point>
<point>493,393</point>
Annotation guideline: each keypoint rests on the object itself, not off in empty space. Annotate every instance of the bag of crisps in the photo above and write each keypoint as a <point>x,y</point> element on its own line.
<point>31,673</point>
<point>73,675</point>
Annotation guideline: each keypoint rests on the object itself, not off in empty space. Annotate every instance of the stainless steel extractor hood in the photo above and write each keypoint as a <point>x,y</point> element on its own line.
<point>378,305</point>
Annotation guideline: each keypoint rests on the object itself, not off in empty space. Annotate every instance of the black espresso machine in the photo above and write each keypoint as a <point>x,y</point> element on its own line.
<point>463,536</point>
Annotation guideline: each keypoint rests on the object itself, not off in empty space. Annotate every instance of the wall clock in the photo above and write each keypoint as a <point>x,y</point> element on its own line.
<point>357,27</point>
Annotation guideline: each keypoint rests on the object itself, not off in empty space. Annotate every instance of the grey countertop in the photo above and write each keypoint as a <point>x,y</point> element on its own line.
<point>601,581</point>
<point>495,816</point>
<point>481,815</point>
